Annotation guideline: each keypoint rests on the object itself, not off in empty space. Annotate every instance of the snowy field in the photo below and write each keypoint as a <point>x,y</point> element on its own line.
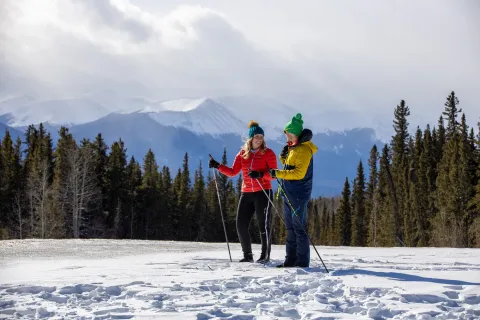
<point>108,279</point>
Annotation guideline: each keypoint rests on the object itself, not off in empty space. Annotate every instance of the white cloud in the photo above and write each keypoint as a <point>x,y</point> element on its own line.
<point>364,56</point>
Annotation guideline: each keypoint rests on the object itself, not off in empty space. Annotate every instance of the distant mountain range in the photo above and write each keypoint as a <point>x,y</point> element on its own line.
<point>197,126</point>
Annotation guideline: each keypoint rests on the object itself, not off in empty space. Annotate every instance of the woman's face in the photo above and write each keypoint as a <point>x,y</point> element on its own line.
<point>257,141</point>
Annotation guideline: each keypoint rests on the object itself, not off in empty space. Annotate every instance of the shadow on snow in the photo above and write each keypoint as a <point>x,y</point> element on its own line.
<point>402,277</point>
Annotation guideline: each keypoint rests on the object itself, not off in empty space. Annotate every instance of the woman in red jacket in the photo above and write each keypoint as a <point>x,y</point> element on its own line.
<point>254,160</point>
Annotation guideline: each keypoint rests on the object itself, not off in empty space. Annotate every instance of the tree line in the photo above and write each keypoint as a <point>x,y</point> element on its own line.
<point>420,190</point>
<point>423,189</point>
<point>91,190</point>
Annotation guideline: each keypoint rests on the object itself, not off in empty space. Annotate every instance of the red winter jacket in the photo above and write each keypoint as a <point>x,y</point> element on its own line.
<point>258,161</point>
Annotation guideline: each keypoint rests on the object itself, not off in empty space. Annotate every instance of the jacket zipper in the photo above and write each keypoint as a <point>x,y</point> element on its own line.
<point>251,163</point>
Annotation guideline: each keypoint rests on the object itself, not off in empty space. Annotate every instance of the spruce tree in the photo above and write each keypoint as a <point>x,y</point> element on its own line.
<point>7,183</point>
<point>169,204</point>
<point>239,186</point>
<point>359,221</point>
<point>451,113</point>
<point>466,181</point>
<point>187,228</point>
<point>176,213</point>
<point>115,179</point>
<point>370,204</point>
<point>150,191</point>
<point>439,140</point>
<point>3,213</point>
<point>411,204</point>
<point>326,227</point>
<point>213,212</point>
<point>100,150</point>
<point>450,199</point>
<point>200,204</point>
<point>399,170</point>
<point>344,217</point>
<point>314,219</point>
<point>62,205</point>
<point>424,188</point>
<point>474,233</point>
<point>132,202</point>
<point>333,234</point>
<point>386,203</point>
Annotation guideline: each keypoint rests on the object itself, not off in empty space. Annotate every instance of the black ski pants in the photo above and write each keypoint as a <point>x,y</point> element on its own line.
<point>258,203</point>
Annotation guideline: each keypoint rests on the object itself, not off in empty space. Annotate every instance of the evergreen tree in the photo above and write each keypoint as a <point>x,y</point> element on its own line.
<point>45,151</point>
<point>451,113</point>
<point>359,221</point>
<point>176,213</point>
<point>188,226</point>
<point>239,186</point>
<point>326,228</point>
<point>332,239</point>
<point>370,193</point>
<point>97,216</point>
<point>385,225</point>
<point>344,217</point>
<point>115,179</point>
<point>200,204</point>
<point>412,206</point>
<point>466,182</point>
<point>150,191</point>
<point>8,185</point>
<point>169,203</point>
<point>132,205</point>
<point>61,191</point>
<point>474,234</point>
<point>439,139</point>
<point>448,225</point>
<point>423,189</point>
<point>399,172</point>
<point>313,217</point>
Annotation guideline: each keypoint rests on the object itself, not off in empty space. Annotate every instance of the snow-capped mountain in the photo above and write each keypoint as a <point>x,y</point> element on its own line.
<point>201,116</point>
<point>195,126</point>
<point>272,114</point>
<point>26,110</point>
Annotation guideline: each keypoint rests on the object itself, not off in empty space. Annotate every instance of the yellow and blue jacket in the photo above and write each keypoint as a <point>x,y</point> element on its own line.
<point>297,173</point>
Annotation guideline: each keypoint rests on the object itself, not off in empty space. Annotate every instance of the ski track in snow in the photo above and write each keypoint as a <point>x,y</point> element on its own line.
<point>121,279</point>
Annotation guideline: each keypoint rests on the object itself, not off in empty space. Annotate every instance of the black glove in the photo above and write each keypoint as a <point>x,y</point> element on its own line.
<point>273,173</point>
<point>213,164</point>
<point>284,152</point>
<point>255,174</point>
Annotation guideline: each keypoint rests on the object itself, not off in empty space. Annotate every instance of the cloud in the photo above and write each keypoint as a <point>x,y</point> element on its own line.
<point>191,49</point>
<point>360,57</point>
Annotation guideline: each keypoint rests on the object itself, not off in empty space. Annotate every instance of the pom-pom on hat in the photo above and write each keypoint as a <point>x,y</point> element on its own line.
<point>254,128</point>
<point>295,125</point>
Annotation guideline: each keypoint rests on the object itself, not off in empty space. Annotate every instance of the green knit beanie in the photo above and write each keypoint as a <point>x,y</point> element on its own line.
<point>295,125</point>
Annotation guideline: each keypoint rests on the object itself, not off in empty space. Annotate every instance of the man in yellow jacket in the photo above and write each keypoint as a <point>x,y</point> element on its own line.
<point>295,183</point>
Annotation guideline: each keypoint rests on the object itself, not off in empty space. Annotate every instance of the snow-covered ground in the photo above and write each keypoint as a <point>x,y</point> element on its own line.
<point>110,279</point>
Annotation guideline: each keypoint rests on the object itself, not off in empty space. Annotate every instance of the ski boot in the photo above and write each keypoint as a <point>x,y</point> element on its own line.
<point>247,258</point>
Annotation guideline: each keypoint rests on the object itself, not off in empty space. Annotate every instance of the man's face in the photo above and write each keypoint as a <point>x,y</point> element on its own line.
<point>291,137</point>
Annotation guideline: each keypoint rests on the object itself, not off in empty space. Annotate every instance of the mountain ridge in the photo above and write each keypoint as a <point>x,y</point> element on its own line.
<point>336,159</point>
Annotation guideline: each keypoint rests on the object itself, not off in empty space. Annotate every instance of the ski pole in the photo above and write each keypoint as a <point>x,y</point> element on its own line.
<point>221,213</point>
<point>273,205</point>
<point>269,239</point>
<point>304,230</point>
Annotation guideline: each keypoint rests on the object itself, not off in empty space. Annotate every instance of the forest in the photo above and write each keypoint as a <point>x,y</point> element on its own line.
<point>421,189</point>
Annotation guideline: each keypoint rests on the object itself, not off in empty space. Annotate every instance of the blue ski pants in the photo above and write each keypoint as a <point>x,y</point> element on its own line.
<point>298,245</point>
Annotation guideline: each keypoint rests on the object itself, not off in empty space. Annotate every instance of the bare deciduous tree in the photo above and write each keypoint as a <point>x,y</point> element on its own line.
<point>81,185</point>
<point>38,190</point>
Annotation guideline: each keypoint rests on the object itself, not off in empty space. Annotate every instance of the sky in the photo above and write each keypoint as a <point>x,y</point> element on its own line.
<point>360,58</point>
